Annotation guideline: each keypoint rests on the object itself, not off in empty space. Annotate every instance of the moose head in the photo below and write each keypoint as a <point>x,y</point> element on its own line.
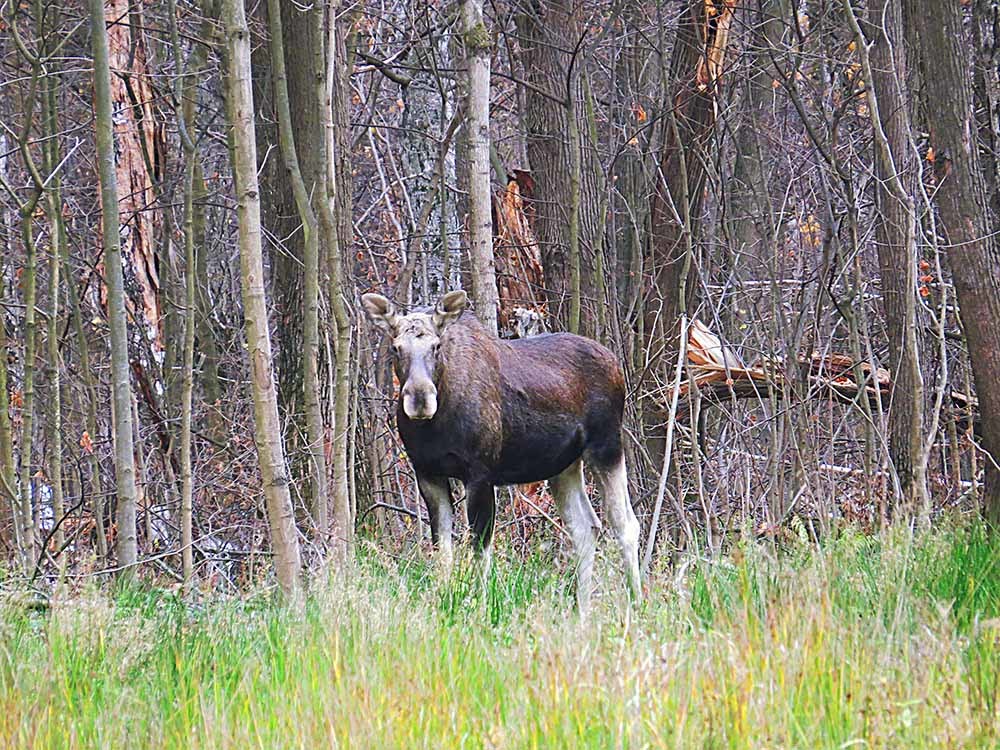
<point>415,341</point>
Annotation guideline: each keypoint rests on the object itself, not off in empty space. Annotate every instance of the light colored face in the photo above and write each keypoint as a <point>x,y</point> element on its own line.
<point>416,339</point>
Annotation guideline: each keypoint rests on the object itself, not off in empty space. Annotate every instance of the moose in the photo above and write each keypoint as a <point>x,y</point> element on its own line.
<point>492,412</point>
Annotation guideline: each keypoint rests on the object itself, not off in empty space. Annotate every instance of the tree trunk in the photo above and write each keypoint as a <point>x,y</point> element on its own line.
<point>127,546</point>
<point>8,470</point>
<point>886,76</point>
<point>564,200</point>
<point>28,281</point>
<point>477,50</point>
<point>138,162</point>
<point>695,70</point>
<point>56,237</point>
<point>310,293</point>
<point>267,432</point>
<point>211,384</point>
<point>973,249</point>
<point>986,94</point>
<point>330,205</point>
<point>186,96</point>
<point>187,374</point>
<point>280,211</point>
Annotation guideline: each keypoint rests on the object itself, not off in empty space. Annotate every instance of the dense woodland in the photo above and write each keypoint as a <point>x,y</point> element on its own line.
<point>783,217</point>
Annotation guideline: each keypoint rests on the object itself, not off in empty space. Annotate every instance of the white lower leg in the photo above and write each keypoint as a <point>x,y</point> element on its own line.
<point>623,522</point>
<point>585,543</point>
<point>582,524</point>
<point>437,496</point>
<point>485,564</point>
<point>445,553</point>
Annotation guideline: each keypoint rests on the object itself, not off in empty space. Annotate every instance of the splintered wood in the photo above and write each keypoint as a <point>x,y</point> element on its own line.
<point>520,279</point>
<point>138,153</point>
<point>718,374</point>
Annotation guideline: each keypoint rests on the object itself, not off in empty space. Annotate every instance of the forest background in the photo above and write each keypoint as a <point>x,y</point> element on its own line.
<point>782,216</point>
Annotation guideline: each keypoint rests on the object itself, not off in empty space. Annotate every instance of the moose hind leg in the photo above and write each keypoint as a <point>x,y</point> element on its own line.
<point>437,497</point>
<point>582,523</point>
<point>619,513</point>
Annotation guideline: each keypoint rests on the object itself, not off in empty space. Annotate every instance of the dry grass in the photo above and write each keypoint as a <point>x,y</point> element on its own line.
<point>887,642</point>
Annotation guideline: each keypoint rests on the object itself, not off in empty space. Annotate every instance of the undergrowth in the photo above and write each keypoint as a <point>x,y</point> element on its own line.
<point>862,641</point>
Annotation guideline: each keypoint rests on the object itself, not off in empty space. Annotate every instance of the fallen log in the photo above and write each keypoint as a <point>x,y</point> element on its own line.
<point>718,375</point>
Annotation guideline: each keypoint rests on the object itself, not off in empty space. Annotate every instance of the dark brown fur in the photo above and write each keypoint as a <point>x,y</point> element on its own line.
<point>511,412</point>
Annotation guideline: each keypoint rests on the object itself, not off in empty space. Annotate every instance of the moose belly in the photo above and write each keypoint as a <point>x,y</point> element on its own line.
<point>530,452</point>
<point>539,452</point>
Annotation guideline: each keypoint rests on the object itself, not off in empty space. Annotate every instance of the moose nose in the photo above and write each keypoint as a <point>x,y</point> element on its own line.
<point>419,402</point>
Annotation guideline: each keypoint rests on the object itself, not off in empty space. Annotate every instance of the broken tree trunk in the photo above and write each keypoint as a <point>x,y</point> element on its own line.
<point>721,376</point>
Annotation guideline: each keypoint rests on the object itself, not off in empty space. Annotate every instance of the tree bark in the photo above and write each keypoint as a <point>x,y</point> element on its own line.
<point>8,479</point>
<point>8,470</point>
<point>267,432</point>
<point>330,205</point>
<point>279,209</point>
<point>29,537</point>
<point>186,97</point>
<point>695,71</point>
<point>564,201</point>
<point>127,546</point>
<point>973,250</point>
<point>310,293</point>
<point>208,348</point>
<point>56,237</point>
<point>477,56</point>
<point>187,376</point>
<point>885,70</point>
<point>138,163</point>
<point>986,93</point>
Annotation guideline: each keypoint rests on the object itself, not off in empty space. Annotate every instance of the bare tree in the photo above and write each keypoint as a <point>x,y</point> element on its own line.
<point>310,291</point>
<point>551,34</point>
<point>886,74</point>
<point>477,59</point>
<point>127,546</point>
<point>267,433</point>
<point>331,204</point>
<point>962,201</point>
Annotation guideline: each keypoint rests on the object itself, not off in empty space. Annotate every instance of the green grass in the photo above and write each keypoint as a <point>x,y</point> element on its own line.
<point>891,641</point>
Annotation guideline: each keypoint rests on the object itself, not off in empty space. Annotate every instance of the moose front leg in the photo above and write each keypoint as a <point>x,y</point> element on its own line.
<point>482,505</point>
<point>437,496</point>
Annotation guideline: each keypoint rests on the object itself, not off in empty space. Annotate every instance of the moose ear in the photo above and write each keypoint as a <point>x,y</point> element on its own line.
<point>381,311</point>
<point>449,308</point>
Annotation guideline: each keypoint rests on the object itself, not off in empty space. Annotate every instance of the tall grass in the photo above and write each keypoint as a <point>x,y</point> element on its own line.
<point>862,642</point>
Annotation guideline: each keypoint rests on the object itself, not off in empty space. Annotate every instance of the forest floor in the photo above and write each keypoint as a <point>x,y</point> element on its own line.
<point>889,641</point>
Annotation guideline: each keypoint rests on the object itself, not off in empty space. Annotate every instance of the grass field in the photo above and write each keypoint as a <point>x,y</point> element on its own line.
<point>864,642</point>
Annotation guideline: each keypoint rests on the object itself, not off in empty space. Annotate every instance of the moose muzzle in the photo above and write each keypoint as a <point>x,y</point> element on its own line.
<point>419,399</point>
